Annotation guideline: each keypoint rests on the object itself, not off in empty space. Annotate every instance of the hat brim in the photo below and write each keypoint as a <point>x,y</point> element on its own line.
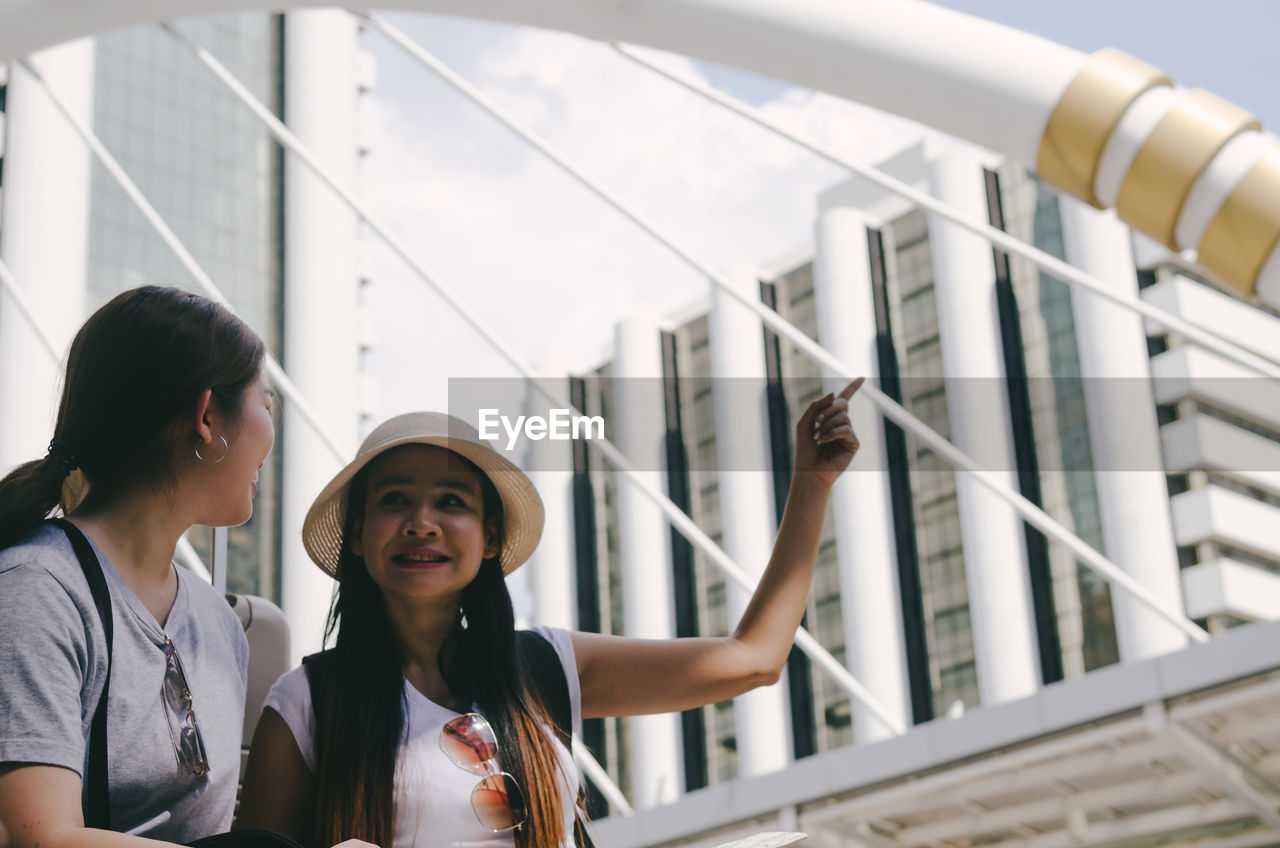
<point>522,507</point>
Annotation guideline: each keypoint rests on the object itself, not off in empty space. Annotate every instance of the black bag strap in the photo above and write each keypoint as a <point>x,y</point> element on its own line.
<point>97,805</point>
<point>315,665</point>
<point>542,666</point>
<point>538,658</point>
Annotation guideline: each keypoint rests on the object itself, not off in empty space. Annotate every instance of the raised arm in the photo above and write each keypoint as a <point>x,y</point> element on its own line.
<point>623,676</point>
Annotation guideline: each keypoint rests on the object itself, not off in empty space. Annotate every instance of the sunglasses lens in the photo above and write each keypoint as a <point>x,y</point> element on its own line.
<point>470,742</point>
<point>499,803</point>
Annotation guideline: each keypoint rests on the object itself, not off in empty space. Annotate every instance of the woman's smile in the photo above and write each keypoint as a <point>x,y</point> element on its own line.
<point>420,558</point>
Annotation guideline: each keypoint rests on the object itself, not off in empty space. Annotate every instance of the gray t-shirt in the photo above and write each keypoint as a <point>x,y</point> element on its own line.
<point>53,664</point>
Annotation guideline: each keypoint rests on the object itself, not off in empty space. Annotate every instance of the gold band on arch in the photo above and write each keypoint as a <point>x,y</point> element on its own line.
<point>1086,114</point>
<point>1172,158</point>
<point>1245,230</point>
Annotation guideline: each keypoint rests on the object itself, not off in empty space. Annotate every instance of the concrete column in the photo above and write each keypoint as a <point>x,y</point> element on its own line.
<point>1124,436</point>
<point>995,555</point>
<point>648,603</point>
<point>321,296</point>
<point>866,555</point>
<point>747,521</point>
<point>549,465</point>
<point>44,240</point>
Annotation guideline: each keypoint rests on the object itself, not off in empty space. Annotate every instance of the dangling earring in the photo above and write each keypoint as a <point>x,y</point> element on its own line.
<point>463,621</point>
<point>226,449</point>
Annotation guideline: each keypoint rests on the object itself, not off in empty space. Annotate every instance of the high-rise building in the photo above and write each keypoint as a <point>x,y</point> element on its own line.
<point>1118,430</point>
<point>230,195</point>
<point>214,174</point>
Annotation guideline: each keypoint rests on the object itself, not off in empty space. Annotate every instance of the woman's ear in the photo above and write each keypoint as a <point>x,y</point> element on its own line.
<point>199,417</point>
<point>492,544</point>
<point>356,542</point>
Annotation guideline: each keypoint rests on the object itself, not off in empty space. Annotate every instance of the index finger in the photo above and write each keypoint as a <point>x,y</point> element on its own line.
<point>848,391</point>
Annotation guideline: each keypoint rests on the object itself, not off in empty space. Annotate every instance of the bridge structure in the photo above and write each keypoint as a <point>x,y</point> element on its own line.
<point>1176,744</point>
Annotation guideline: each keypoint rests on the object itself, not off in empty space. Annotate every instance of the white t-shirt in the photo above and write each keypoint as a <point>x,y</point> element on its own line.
<point>432,794</point>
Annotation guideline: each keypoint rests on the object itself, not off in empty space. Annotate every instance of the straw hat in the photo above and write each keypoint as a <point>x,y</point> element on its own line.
<point>521,506</point>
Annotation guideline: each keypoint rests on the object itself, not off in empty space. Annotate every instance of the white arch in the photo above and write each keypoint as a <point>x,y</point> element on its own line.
<point>978,80</point>
<point>1179,164</point>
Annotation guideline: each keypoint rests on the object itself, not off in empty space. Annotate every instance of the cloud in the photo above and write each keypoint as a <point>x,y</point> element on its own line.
<point>550,267</point>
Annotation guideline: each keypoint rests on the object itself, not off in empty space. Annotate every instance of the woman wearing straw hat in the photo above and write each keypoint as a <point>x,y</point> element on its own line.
<point>429,723</point>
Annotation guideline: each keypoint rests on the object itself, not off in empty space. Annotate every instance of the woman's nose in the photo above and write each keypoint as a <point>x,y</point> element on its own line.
<point>422,522</point>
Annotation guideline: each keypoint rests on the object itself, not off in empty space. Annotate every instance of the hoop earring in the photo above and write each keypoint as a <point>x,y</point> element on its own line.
<point>226,449</point>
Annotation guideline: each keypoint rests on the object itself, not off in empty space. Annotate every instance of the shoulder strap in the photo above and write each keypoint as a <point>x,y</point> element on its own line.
<point>316,666</point>
<point>545,672</point>
<point>97,811</point>
<point>547,676</point>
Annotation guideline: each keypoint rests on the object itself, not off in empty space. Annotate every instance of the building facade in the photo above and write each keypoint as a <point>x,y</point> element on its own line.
<point>973,607</point>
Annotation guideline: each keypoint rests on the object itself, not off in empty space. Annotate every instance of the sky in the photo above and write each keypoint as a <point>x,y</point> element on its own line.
<point>551,269</point>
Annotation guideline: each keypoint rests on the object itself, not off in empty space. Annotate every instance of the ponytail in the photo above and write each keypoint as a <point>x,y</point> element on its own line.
<point>28,494</point>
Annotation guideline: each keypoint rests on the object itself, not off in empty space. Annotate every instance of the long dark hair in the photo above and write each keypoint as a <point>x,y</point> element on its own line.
<point>360,717</point>
<point>135,367</point>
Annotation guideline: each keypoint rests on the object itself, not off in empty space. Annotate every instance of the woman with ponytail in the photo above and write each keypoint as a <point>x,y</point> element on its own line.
<point>164,421</point>
<point>431,722</point>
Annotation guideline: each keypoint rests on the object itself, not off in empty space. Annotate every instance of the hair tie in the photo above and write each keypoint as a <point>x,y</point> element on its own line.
<point>67,458</point>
